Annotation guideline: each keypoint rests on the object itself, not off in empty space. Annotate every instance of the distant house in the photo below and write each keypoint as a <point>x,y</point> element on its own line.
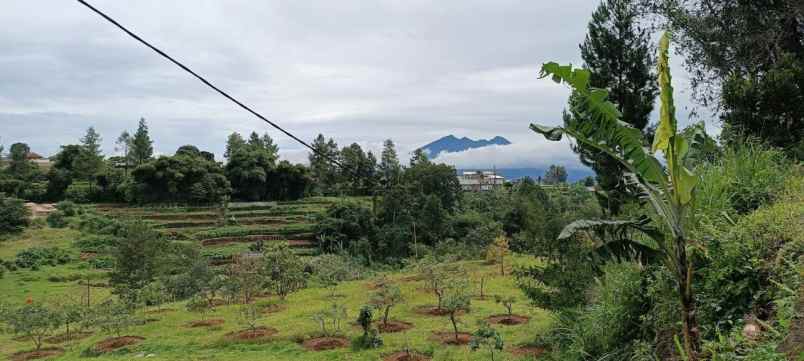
<point>480,181</point>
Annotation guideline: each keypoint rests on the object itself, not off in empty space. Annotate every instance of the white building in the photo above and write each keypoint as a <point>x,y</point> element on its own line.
<point>476,181</point>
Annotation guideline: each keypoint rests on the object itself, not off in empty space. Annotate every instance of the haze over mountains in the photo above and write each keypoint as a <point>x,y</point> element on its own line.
<point>453,145</point>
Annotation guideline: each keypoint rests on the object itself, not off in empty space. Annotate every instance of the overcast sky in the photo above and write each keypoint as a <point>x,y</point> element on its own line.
<point>355,70</point>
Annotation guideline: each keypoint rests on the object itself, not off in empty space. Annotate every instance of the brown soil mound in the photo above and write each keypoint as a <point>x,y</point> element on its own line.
<point>86,256</point>
<point>41,353</point>
<point>393,326</point>
<point>255,334</point>
<point>405,356</point>
<point>508,320</point>
<point>206,323</point>
<point>435,311</point>
<point>114,343</point>
<point>448,338</point>
<point>161,310</point>
<point>64,337</point>
<point>531,351</point>
<point>325,343</point>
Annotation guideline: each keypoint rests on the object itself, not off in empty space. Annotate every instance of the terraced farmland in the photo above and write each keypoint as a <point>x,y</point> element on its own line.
<point>246,224</point>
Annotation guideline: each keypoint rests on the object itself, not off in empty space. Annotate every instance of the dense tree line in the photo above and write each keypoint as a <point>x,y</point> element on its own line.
<point>746,59</point>
<point>82,173</point>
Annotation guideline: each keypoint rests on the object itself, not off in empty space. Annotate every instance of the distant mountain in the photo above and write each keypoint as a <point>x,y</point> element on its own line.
<point>512,174</point>
<point>451,143</point>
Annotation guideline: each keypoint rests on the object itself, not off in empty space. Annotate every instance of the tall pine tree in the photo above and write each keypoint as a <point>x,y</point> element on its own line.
<point>390,170</point>
<point>617,51</point>
<point>142,147</point>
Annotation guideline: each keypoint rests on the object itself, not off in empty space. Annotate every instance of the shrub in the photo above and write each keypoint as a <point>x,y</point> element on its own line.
<point>284,270</point>
<point>56,219</point>
<point>13,215</point>
<point>69,208</point>
<point>487,338</point>
<point>95,243</point>
<point>79,192</point>
<point>370,338</point>
<point>36,257</point>
<point>609,323</point>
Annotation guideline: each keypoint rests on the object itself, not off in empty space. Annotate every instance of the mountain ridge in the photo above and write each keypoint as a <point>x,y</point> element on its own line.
<point>451,144</point>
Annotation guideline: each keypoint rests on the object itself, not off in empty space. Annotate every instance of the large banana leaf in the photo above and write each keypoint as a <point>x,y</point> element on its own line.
<point>620,238</point>
<point>603,128</point>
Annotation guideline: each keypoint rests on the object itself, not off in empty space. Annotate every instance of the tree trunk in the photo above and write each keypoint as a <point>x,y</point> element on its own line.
<point>385,317</point>
<point>454,325</point>
<point>687,299</point>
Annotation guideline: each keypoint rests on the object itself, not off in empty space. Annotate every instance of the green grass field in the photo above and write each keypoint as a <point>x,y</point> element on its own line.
<point>168,336</point>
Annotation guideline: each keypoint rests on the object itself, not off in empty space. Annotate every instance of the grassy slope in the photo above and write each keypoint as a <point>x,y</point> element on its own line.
<point>169,339</point>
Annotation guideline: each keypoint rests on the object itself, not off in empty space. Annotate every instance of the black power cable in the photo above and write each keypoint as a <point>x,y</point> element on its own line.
<point>208,83</point>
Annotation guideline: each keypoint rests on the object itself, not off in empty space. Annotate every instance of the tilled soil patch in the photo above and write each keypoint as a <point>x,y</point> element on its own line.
<point>39,354</point>
<point>448,338</point>
<point>325,343</point>
<point>206,323</point>
<point>406,356</point>
<point>428,310</point>
<point>61,338</point>
<point>252,334</point>
<point>508,320</point>
<point>114,343</point>
<point>394,326</point>
<point>529,351</point>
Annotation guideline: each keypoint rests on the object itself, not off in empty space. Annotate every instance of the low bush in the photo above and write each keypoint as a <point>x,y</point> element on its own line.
<point>70,209</point>
<point>95,243</point>
<point>606,326</point>
<point>13,215</point>
<point>36,257</point>
<point>56,219</point>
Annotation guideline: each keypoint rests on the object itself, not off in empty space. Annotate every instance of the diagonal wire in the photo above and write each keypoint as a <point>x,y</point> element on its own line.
<point>208,83</point>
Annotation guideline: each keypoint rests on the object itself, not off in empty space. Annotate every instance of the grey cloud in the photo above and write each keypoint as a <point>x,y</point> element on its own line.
<point>356,71</point>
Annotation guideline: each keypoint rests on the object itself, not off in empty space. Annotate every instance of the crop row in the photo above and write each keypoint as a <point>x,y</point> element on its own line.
<point>234,231</point>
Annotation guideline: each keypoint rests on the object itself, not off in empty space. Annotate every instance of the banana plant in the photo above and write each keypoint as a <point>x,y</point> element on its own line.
<point>668,188</point>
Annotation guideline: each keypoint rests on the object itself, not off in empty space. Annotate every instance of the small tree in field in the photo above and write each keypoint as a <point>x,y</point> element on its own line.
<point>247,273</point>
<point>507,302</point>
<point>33,321</point>
<point>199,305</point>
<point>283,270</point>
<point>496,252</point>
<point>457,297</point>
<point>154,294</point>
<point>114,317</point>
<point>481,280</point>
<point>331,316</point>
<point>69,314</point>
<point>249,315</point>
<point>436,279</point>
<point>386,297</point>
<point>487,338</point>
